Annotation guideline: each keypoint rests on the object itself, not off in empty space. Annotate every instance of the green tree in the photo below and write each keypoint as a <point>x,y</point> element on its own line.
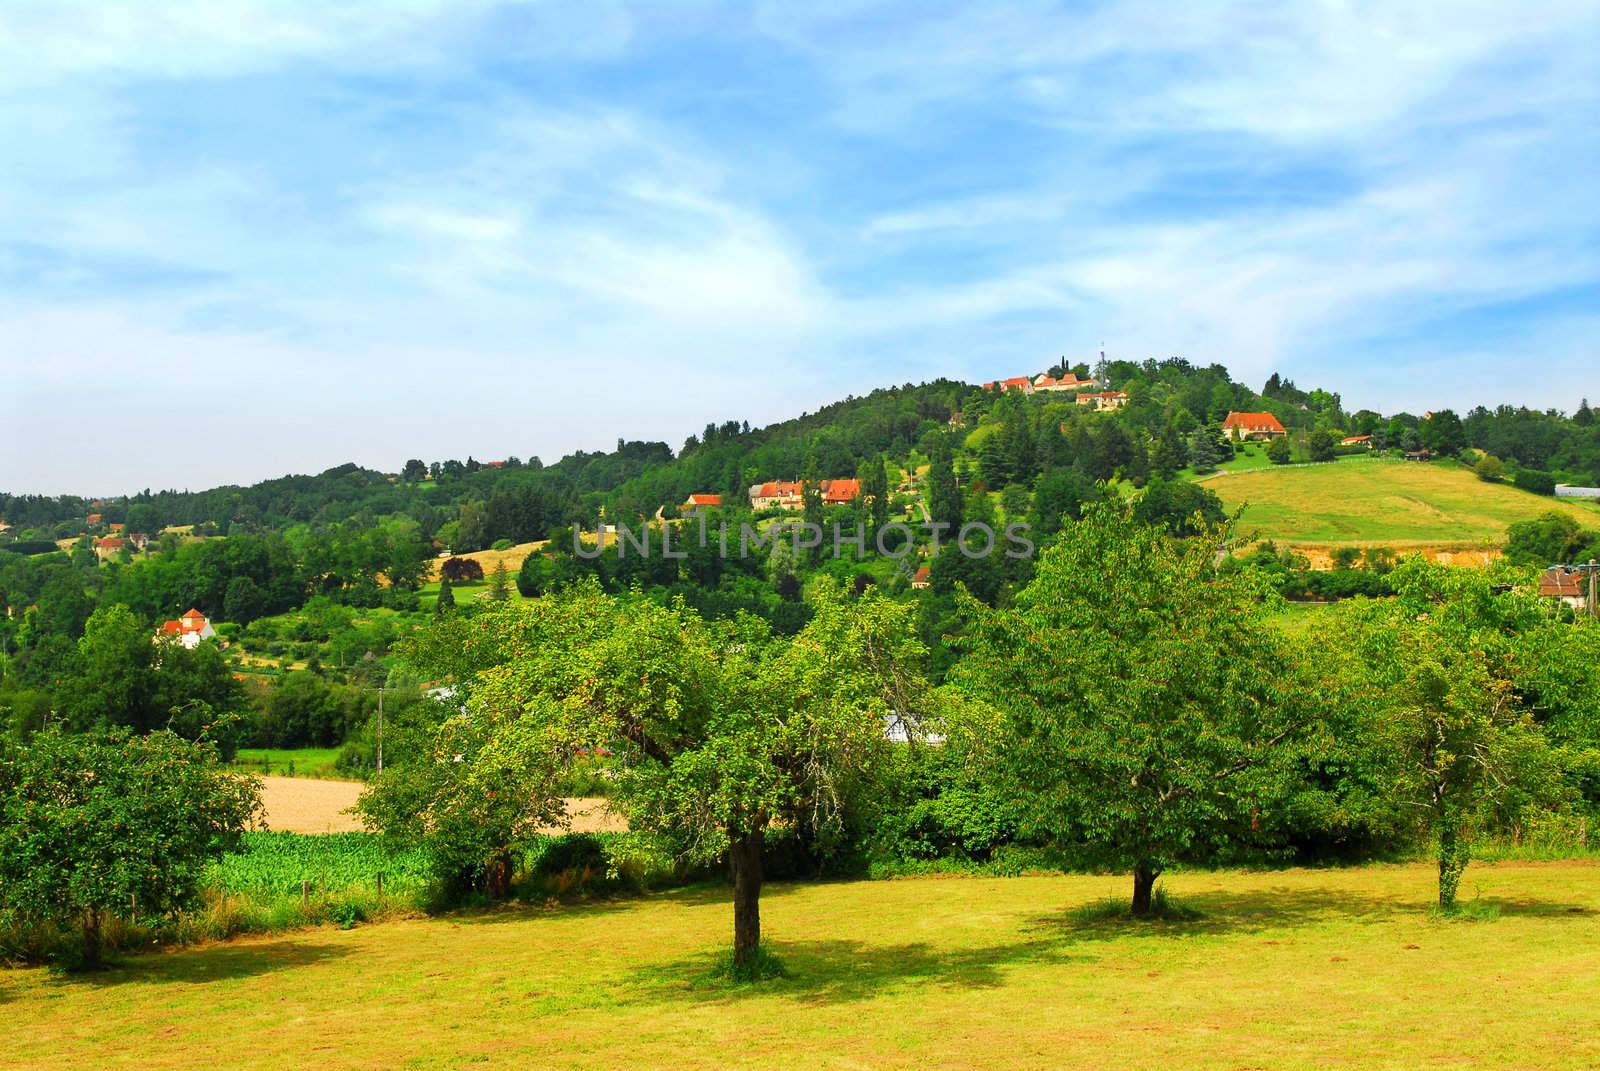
<point>1167,452</point>
<point>1203,452</point>
<point>1319,445</point>
<point>447,597</point>
<point>1436,677</point>
<point>1142,701</point>
<point>1490,469</point>
<point>1175,504</point>
<point>722,730</point>
<point>944,493</point>
<point>1442,433</point>
<point>99,825</point>
<point>471,788</point>
<point>500,583</point>
<point>114,684</point>
<point>1279,452</point>
<point>244,602</point>
<point>1061,494</point>
<point>1548,539</point>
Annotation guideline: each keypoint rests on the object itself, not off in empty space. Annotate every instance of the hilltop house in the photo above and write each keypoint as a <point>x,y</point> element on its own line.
<point>1067,382</point>
<point>1022,383</point>
<point>1252,426</point>
<point>700,502</point>
<point>1364,441</point>
<point>93,518</point>
<point>1106,399</point>
<point>921,578</point>
<point>188,630</point>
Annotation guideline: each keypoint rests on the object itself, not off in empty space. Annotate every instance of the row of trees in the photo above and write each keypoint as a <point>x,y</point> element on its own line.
<point>1132,704</point>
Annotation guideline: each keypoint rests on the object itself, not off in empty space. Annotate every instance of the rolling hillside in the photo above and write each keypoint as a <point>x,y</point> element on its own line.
<point>1381,501</point>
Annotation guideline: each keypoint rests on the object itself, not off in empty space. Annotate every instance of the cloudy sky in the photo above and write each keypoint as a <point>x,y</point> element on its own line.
<point>240,238</point>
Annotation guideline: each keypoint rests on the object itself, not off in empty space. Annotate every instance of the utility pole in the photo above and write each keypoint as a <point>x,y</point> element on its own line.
<point>1591,567</point>
<point>380,695</point>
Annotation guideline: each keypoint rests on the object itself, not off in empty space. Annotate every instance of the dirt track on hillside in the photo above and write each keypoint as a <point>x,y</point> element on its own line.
<point>307,805</point>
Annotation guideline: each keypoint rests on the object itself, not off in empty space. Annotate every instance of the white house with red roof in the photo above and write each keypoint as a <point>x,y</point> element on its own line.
<point>108,546</point>
<point>790,494</point>
<point>1068,381</point>
<point>188,630</point>
<point>1239,425</point>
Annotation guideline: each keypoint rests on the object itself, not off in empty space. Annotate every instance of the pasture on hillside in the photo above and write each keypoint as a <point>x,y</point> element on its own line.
<point>1394,503</point>
<point>1287,969</point>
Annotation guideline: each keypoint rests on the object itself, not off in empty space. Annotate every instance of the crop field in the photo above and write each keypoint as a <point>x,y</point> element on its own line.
<point>274,864</point>
<point>1380,501</point>
<point>304,805</point>
<point>1288,969</point>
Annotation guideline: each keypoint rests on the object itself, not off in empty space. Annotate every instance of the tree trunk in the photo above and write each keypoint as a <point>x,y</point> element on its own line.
<point>745,854</point>
<point>1453,858</point>
<point>1144,883</point>
<point>91,939</point>
<point>498,878</point>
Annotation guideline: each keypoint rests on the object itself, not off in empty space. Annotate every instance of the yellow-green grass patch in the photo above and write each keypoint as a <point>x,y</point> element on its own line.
<point>1394,503</point>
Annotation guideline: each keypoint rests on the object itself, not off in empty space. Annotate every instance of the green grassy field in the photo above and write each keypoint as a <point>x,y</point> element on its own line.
<point>1372,500</point>
<point>1287,969</point>
<point>289,762</point>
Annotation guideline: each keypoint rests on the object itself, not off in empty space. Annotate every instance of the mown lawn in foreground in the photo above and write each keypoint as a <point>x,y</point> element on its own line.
<point>1286,969</point>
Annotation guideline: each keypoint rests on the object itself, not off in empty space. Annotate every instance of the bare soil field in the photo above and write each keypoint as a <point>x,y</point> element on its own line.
<point>310,805</point>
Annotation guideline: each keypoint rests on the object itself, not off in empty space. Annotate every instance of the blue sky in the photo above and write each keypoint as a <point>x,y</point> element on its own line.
<point>240,238</point>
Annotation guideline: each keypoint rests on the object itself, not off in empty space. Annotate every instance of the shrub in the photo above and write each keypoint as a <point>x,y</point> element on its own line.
<point>457,570</point>
<point>1540,483</point>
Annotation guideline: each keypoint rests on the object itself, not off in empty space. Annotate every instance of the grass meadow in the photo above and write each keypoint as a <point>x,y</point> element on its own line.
<point>1382,501</point>
<point>1282,969</point>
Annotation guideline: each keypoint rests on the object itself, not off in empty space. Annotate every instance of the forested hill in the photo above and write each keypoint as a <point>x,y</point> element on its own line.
<point>472,503</point>
<point>523,497</point>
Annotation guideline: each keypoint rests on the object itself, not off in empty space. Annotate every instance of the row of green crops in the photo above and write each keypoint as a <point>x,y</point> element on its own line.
<point>274,864</point>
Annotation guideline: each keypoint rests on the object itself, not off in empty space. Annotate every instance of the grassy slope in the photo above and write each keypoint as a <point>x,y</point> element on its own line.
<point>1371,500</point>
<point>1291,969</point>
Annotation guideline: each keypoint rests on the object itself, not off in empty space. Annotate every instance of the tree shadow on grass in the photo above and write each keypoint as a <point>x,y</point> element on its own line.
<point>1269,910</point>
<point>700,894</point>
<point>838,971</point>
<point>194,966</point>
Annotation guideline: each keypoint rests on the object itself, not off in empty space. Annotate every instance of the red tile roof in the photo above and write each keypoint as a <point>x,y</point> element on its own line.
<point>836,491</point>
<point>704,500</point>
<point>1252,422</point>
<point>1558,583</point>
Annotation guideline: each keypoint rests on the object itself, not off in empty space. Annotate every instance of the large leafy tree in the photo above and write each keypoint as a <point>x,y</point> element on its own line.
<point>1451,675</point>
<point>722,730</point>
<point>1143,704</point>
<point>104,824</point>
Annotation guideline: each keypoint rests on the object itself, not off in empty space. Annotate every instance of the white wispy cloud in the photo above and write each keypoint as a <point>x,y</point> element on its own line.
<point>606,219</point>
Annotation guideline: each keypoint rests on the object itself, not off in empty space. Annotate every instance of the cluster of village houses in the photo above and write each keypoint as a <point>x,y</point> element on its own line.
<point>115,539</point>
<point>1044,383</point>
